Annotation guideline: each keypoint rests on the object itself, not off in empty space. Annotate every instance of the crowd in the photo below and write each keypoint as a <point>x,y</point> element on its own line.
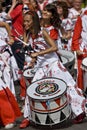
<point>35,35</point>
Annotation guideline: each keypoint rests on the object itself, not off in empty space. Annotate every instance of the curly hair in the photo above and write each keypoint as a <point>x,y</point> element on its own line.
<point>64,6</point>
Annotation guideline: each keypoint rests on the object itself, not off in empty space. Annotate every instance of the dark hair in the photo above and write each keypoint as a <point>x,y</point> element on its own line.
<point>0,7</point>
<point>55,20</point>
<point>55,3</point>
<point>36,22</point>
<point>64,7</point>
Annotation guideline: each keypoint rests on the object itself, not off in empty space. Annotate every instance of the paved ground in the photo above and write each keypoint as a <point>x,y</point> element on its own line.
<point>63,126</point>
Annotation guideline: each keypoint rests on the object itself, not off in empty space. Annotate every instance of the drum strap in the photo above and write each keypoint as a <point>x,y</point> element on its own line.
<point>59,56</point>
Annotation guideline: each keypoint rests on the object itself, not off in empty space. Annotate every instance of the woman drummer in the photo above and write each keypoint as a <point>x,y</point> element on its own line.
<point>49,65</point>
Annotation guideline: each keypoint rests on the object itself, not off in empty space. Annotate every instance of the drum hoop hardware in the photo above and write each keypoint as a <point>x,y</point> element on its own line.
<point>44,100</point>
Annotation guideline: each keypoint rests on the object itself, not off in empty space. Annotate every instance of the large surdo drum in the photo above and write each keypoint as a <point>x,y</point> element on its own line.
<point>28,73</point>
<point>68,59</point>
<point>48,101</point>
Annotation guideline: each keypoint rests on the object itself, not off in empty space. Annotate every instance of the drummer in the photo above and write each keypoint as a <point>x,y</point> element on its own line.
<point>79,44</point>
<point>5,53</point>
<point>49,64</point>
<point>9,110</point>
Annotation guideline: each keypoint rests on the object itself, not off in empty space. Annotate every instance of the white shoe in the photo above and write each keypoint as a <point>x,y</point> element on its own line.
<point>8,126</point>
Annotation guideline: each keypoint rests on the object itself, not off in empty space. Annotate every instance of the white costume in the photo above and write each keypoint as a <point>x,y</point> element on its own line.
<point>67,25</point>
<point>49,65</point>
<point>74,13</point>
<point>45,2</point>
<point>6,60</point>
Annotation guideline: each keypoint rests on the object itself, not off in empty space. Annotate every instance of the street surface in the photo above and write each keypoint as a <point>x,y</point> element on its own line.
<point>63,126</point>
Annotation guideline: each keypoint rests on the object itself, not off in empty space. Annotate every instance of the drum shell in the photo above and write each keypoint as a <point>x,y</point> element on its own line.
<point>49,111</point>
<point>52,114</point>
<point>51,118</point>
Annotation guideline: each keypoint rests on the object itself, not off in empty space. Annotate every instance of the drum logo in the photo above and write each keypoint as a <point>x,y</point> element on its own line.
<point>46,88</point>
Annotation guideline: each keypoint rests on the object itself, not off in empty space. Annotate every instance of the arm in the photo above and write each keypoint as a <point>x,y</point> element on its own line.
<point>15,11</point>
<point>77,36</point>
<point>50,42</point>
<point>6,25</point>
<point>14,2</point>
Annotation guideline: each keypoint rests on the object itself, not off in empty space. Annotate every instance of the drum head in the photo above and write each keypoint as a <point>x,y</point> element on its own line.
<point>47,88</point>
<point>28,73</point>
<point>84,62</point>
<point>67,54</point>
<point>64,60</point>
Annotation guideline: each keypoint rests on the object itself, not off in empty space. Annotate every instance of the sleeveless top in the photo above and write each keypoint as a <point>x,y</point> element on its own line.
<point>39,44</point>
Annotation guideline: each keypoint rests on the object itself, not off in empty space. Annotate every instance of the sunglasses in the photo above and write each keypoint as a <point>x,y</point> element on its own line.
<point>25,8</point>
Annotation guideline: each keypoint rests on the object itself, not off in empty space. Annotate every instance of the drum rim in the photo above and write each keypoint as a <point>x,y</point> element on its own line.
<point>69,61</point>
<point>44,100</point>
<point>50,98</point>
<point>32,75</point>
<point>84,65</point>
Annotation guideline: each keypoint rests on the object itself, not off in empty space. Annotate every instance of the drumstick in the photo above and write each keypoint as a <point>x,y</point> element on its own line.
<point>59,56</point>
<point>22,41</point>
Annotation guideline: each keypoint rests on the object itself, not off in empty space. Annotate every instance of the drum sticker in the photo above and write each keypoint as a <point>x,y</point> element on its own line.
<point>47,88</point>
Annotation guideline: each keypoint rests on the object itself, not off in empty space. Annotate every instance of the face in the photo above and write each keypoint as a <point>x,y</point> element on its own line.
<point>59,10</point>
<point>28,22</point>
<point>25,1</point>
<point>77,4</point>
<point>33,2</point>
<point>46,14</point>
